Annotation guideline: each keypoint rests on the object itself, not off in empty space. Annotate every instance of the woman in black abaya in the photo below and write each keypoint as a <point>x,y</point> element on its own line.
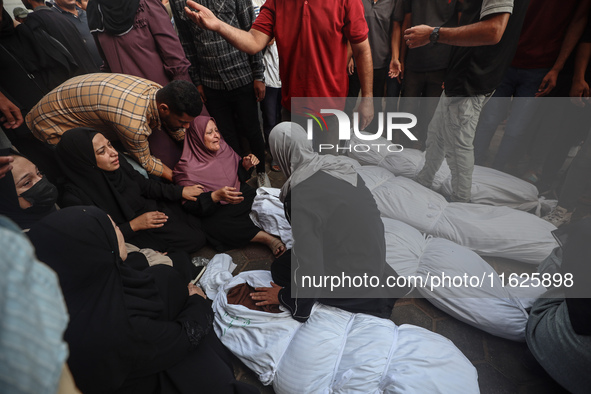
<point>129,331</point>
<point>148,212</point>
<point>226,201</point>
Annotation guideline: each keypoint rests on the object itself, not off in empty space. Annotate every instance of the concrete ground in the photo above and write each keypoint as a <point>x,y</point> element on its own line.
<point>498,361</point>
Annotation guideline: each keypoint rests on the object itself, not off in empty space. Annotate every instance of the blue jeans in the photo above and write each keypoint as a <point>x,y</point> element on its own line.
<point>522,85</point>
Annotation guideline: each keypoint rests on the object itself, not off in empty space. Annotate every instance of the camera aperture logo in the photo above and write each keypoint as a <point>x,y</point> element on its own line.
<point>345,130</point>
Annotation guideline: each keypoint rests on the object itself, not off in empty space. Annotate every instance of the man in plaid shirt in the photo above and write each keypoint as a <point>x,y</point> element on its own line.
<point>121,107</point>
<point>230,82</point>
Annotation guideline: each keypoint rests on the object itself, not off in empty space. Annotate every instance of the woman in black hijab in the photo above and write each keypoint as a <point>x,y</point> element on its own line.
<point>115,17</point>
<point>148,212</point>
<point>26,196</point>
<point>130,331</point>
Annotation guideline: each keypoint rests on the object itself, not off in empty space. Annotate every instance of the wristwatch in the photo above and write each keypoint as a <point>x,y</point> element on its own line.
<point>434,37</point>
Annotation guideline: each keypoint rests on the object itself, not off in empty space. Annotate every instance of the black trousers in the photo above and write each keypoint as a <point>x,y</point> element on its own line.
<point>379,85</point>
<point>236,114</point>
<point>420,96</point>
<point>182,231</point>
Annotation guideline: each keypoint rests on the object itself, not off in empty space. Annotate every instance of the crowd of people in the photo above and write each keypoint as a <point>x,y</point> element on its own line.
<point>129,131</point>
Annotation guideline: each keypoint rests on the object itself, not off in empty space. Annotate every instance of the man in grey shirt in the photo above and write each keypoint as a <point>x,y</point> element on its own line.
<point>484,45</point>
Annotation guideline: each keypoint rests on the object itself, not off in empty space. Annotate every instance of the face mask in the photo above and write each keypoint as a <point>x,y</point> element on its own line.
<point>42,195</point>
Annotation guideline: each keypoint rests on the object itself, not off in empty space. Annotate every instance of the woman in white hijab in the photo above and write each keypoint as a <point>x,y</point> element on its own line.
<point>337,233</point>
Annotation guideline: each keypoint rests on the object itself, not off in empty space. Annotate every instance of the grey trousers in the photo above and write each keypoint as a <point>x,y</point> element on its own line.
<point>578,178</point>
<point>451,136</point>
<point>564,354</point>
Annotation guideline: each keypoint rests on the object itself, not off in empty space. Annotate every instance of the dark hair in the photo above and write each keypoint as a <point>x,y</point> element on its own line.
<point>182,97</point>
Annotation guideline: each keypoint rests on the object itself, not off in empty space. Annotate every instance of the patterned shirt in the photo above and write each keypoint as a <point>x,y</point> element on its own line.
<point>214,62</point>
<point>34,318</point>
<point>119,106</point>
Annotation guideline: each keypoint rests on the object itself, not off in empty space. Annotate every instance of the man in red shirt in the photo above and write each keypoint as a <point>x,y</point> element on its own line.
<point>311,38</point>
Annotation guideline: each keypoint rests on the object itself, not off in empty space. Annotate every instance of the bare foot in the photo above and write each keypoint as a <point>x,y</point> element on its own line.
<point>277,247</point>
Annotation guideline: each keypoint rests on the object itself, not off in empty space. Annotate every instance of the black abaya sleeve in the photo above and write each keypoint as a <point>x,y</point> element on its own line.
<point>126,230</point>
<point>73,196</point>
<point>174,339</point>
<point>244,175</point>
<point>332,236</point>
<point>204,206</point>
<point>153,189</point>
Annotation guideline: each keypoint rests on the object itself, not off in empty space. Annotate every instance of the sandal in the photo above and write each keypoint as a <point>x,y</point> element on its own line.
<point>275,167</point>
<point>531,177</point>
<point>278,248</point>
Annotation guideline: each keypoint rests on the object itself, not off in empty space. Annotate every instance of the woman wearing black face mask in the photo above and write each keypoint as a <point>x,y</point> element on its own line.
<point>26,196</point>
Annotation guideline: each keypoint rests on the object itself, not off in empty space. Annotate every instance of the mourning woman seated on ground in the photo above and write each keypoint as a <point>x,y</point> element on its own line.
<point>337,216</point>
<point>26,196</point>
<point>225,204</point>
<point>148,331</point>
<point>148,212</point>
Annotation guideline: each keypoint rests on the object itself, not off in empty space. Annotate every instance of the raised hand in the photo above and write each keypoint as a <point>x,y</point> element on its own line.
<point>249,161</point>
<point>202,16</point>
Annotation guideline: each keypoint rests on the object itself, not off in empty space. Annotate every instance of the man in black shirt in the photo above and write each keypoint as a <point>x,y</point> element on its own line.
<point>425,67</point>
<point>484,45</point>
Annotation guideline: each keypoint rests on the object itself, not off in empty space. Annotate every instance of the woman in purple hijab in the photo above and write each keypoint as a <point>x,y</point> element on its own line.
<point>226,202</point>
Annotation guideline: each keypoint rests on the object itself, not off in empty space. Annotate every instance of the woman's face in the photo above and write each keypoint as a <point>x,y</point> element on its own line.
<point>211,139</point>
<point>120,241</point>
<point>26,175</point>
<point>107,158</point>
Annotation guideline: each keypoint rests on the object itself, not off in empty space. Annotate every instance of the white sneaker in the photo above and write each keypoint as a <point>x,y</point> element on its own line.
<point>263,180</point>
<point>558,216</point>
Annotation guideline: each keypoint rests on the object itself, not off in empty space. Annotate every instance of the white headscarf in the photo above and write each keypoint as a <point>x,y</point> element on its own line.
<point>298,161</point>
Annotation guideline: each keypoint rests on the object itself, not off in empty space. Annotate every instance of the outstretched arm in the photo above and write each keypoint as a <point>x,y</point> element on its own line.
<point>251,41</point>
<point>488,31</point>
